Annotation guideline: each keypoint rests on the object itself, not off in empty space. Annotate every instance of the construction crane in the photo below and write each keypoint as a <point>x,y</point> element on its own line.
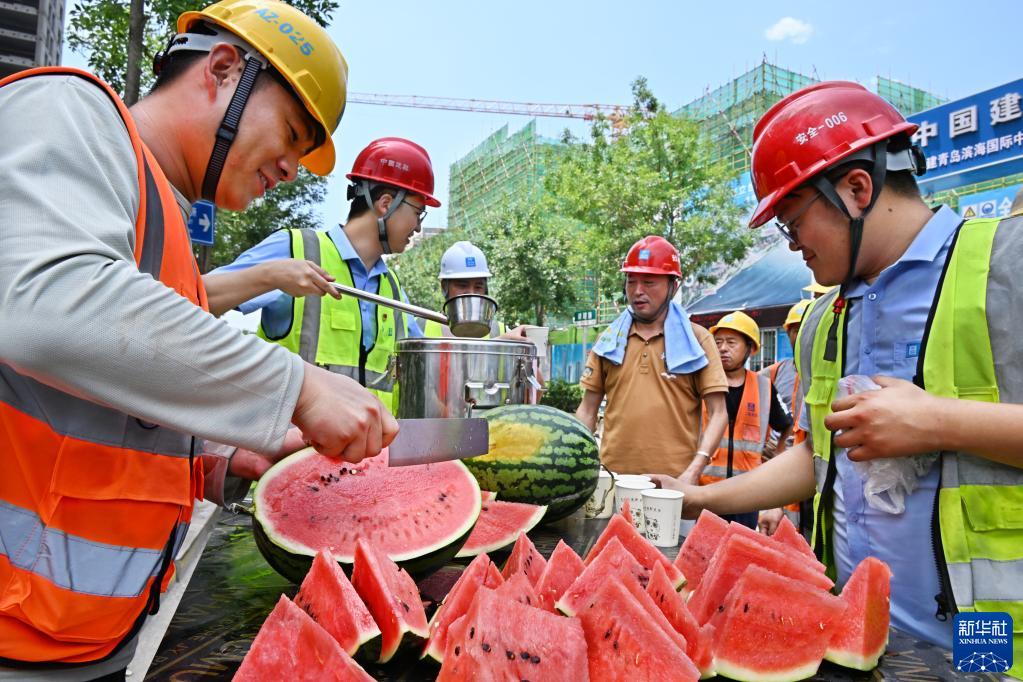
<point>586,112</point>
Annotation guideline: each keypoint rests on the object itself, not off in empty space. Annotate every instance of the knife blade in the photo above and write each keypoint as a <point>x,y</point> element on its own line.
<point>424,441</point>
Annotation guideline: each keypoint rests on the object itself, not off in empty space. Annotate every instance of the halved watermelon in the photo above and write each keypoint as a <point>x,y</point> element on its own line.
<point>419,515</point>
<point>614,562</point>
<point>501,639</point>
<point>699,643</point>
<point>525,559</point>
<point>292,646</point>
<point>329,598</point>
<point>391,596</point>
<point>563,568</point>
<point>699,546</point>
<point>518,588</point>
<point>729,562</point>
<point>646,554</point>
<point>773,628</point>
<point>862,636</point>
<point>623,642</point>
<point>457,602</point>
<point>499,525</point>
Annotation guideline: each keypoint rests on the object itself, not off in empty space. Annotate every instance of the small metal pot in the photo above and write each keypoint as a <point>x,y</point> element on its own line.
<point>470,315</point>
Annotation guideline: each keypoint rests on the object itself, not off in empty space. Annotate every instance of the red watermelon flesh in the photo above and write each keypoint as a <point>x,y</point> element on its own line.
<point>563,568</point>
<point>625,512</point>
<point>493,578</point>
<point>499,525</point>
<point>793,554</point>
<point>614,561</point>
<point>862,636</point>
<point>624,644</point>
<point>292,646</point>
<point>391,596</point>
<point>787,534</point>
<point>699,546</point>
<point>488,495</point>
<point>518,588</point>
<point>731,560</point>
<point>500,639</point>
<point>699,643</point>
<point>646,554</point>
<point>456,603</point>
<point>774,628</point>
<point>525,559</point>
<point>328,596</point>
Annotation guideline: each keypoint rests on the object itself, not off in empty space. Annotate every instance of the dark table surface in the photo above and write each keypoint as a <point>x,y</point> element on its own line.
<point>233,590</point>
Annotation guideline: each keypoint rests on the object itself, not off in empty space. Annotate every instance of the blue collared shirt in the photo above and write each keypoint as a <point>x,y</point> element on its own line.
<point>884,335</point>
<point>276,305</point>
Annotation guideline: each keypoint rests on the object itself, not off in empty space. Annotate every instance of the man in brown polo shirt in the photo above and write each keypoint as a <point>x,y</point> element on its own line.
<point>656,368</point>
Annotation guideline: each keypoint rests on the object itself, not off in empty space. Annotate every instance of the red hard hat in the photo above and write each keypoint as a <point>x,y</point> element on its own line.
<point>811,130</point>
<point>397,162</point>
<point>653,256</point>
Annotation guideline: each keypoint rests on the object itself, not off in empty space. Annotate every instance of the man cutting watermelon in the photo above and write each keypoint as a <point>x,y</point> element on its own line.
<point>928,305</point>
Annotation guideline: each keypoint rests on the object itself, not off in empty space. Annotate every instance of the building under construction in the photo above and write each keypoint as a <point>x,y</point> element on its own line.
<point>31,34</point>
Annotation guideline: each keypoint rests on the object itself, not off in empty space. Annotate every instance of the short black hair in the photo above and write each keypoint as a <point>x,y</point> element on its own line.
<point>901,183</point>
<point>359,206</point>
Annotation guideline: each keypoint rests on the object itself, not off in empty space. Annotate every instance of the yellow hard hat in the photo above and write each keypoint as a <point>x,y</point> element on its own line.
<point>300,49</point>
<point>740,322</point>
<point>815,288</point>
<point>796,312</point>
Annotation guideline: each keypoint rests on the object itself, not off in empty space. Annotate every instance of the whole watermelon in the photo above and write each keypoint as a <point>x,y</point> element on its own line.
<point>538,455</point>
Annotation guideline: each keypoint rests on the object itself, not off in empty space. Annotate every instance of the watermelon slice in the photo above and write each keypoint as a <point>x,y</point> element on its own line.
<point>456,603</point>
<point>391,596</point>
<point>788,535</point>
<point>646,554</point>
<point>623,643</point>
<point>488,496</point>
<point>614,562</point>
<point>292,646</point>
<point>795,555</point>
<point>500,639</point>
<point>493,578</point>
<point>699,643</point>
<point>499,525</point>
<point>525,559</point>
<point>862,635</point>
<point>518,588</point>
<point>699,547</point>
<point>329,598</point>
<point>774,628</point>
<point>625,511</point>
<point>563,568</point>
<point>731,559</point>
<point>308,501</point>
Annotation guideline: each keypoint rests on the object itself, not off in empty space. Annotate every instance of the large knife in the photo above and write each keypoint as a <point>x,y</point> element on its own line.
<point>424,441</point>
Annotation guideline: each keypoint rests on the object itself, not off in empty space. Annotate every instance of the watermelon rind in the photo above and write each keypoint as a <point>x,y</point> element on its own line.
<point>508,538</point>
<point>737,672</point>
<point>292,559</point>
<point>538,455</point>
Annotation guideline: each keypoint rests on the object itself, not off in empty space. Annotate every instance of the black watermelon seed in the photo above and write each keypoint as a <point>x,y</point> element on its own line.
<point>458,650</point>
<point>535,660</point>
<point>510,655</point>
<point>615,645</point>
<point>745,608</point>
<point>607,635</point>
<point>528,601</point>
<point>721,608</point>
<point>472,632</point>
<point>314,488</point>
<point>524,655</point>
<point>405,606</point>
<point>485,647</point>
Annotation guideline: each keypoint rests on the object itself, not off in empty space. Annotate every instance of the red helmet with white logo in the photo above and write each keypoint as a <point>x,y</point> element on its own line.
<point>399,163</point>
<point>653,256</point>
<point>813,129</point>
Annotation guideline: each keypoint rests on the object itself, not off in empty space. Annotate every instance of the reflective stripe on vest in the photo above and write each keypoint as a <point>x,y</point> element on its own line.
<point>328,332</point>
<point>969,355</point>
<point>93,502</point>
<point>435,330</point>
<point>748,434</point>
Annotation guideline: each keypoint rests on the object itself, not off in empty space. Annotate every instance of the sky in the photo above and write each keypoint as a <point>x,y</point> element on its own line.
<point>577,52</point>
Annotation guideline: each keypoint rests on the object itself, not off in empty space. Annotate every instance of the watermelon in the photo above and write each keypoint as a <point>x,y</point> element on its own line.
<point>773,629</point>
<point>862,636</point>
<point>456,603</point>
<point>699,547</point>
<point>499,525</point>
<point>420,516</point>
<point>391,596</point>
<point>699,643</point>
<point>796,555</point>
<point>615,562</point>
<point>292,646</point>
<point>488,495</point>
<point>646,554</point>
<point>731,559</point>
<point>624,643</point>
<point>562,569</point>
<point>329,598</point>
<point>788,535</point>
<point>538,455</point>
<point>500,639</point>
<point>518,588</point>
<point>525,559</point>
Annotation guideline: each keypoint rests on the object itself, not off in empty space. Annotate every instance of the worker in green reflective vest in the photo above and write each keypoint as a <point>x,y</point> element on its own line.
<point>463,270</point>
<point>929,307</point>
<point>288,275</point>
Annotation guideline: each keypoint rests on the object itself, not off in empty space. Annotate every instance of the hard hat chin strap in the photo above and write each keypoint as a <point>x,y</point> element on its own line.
<point>365,189</point>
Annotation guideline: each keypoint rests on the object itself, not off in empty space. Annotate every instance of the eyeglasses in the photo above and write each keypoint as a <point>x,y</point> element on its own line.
<point>420,211</point>
<point>788,227</point>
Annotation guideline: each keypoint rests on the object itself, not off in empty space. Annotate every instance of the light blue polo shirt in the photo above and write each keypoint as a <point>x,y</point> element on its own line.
<point>884,336</point>
<point>276,305</point>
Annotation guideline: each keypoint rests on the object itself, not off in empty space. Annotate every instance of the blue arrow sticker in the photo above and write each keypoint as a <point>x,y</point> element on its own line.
<point>202,222</point>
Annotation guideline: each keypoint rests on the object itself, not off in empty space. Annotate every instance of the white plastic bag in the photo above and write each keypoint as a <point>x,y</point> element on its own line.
<point>889,480</point>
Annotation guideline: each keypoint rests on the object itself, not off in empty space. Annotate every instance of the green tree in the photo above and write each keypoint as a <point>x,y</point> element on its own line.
<point>417,268</point>
<point>649,173</point>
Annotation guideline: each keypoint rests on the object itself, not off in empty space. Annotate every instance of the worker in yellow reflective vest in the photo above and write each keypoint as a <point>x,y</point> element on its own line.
<point>928,305</point>
<point>463,270</point>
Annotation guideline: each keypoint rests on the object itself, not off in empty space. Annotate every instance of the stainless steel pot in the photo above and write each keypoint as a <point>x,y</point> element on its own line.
<point>452,377</point>
<point>470,314</point>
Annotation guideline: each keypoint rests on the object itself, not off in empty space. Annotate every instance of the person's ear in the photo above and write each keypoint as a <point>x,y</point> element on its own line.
<point>221,68</point>
<point>383,204</point>
<point>858,187</point>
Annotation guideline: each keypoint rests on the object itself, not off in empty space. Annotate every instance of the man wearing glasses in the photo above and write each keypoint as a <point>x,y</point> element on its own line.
<point>287,274</point>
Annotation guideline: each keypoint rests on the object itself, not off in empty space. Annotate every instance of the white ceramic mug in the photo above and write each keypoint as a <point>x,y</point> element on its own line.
<point>662,511</point>
<point>601,503</point>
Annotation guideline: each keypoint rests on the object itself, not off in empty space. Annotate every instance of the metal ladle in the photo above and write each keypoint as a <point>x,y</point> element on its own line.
<point>469,329</point>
